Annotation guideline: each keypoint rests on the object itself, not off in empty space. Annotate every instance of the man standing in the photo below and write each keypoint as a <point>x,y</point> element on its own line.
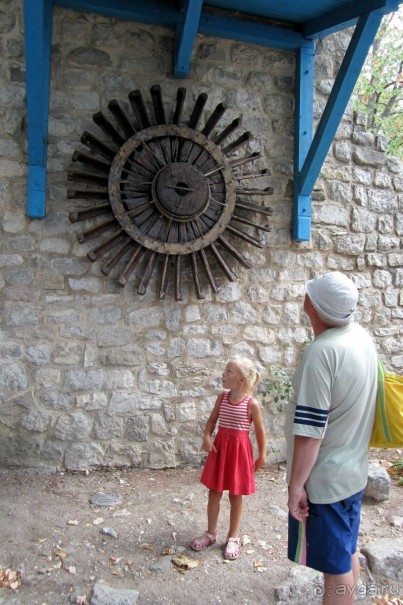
<point>328,428</point>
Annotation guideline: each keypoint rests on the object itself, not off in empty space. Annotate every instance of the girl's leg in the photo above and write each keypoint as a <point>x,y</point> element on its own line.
<point>209,537</point>
<point>235,516</point>
<point>213,510</point>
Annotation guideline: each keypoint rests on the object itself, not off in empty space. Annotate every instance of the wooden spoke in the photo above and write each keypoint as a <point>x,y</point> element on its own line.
<point>267,191</point>
<point>173,235</point>
<point>86,177</point>
<point>204,162</point>
<point>174,149</point>
<point>108,128</point>
<point>136,256</point>
<point>88,160</point>
<point>156,150</point>
<point>245,237</point>
<point>194,155</point>
<point>95,231</point>
<point>231,276</point>
<point>183,235</point>
<point>139,108</point>
<point>93,255</point>
<point>180,101</point>
<point>227,131</point>
<point>251,175</point>
<point>240,142</point>
<point>195,273</point>
<point>141,167</point>
<point>110,264</point>
<point>156,98</point>
<point>246,159</point>
<point>97,146</point>
<point>138,202</point>
<point>121,118</point>
<point>245,221</point>
<point>164,278</point>
<point>86,194</point>
<point>178,278</point>
<point>147,273</point>
<point>235,253</point>
<point>143,217</point>
<point>185,151</point>
<point>254,208</point>
<point>197,110</point>
<point>165,144</point>
<point>90,213</point>
<point>214,119</point>
<point>156,228</point>
<point>209,273</point>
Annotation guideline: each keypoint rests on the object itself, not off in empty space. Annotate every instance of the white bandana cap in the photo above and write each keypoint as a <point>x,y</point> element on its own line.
<point>333,295</point>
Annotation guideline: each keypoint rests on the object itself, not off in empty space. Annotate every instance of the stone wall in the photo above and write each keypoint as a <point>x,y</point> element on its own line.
<point>92,374</point>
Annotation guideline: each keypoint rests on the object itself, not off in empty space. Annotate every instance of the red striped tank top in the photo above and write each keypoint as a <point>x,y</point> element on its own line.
<point>234,415</point>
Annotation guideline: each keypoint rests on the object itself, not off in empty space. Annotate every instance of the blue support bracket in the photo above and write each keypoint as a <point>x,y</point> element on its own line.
<point>331,22</point>
<point>38,36</point>
<point>185,38</point>
<point>303,117</point>
<point>346,79</point>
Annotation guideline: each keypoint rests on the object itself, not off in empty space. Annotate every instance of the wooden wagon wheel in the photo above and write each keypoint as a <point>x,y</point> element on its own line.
<point>170,191</point>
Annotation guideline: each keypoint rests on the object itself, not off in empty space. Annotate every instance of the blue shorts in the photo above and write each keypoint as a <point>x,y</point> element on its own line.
<point>326,540</point>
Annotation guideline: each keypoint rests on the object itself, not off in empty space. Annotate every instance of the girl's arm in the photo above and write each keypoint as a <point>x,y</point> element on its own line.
<point>207,445</point>
<point>260,432</point>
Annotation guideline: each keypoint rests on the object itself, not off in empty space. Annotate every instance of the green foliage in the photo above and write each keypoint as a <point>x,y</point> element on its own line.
<point>397,469</point>
<point>379,89</point>
<point>277,387</point>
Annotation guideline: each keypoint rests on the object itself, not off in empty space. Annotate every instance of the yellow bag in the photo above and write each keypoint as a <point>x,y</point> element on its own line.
<point>388,424</point>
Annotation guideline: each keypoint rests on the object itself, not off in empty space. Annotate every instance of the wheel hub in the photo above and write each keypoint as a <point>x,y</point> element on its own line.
<point>181,192</point>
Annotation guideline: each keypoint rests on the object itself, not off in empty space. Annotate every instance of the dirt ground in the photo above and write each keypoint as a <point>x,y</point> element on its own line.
<point>51,535</point>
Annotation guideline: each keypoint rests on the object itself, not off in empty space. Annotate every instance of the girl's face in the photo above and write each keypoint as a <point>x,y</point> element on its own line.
<point>232,377</point>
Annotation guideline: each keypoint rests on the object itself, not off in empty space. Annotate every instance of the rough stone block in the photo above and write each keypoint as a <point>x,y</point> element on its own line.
<point>378,485</point>
<point>385,557</point>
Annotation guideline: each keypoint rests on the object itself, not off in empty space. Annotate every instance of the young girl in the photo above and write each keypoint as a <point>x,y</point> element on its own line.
<point>230,465</point>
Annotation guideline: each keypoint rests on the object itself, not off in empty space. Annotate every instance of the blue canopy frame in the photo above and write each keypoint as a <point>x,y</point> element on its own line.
<point>309,20</point>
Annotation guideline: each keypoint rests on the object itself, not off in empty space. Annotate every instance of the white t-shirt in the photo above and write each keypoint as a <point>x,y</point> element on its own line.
<point>334,399</point>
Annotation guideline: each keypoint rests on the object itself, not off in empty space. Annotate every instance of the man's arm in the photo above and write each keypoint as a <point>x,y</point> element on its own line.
<point>305,453</point>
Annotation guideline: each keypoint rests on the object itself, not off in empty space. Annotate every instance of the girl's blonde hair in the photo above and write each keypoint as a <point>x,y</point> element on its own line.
<point>248,370</point>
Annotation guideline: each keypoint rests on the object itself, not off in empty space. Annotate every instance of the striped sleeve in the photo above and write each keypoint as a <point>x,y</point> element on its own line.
<point>309,416</point>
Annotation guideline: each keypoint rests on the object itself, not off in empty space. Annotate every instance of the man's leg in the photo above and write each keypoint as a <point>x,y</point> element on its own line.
<point>355,564</point>
<point>341,589</point>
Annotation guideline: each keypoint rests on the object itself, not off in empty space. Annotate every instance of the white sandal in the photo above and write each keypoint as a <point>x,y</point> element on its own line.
<point>232,550</point>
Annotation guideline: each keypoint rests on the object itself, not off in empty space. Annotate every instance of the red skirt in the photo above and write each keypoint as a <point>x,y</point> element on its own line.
<point>232,466</point>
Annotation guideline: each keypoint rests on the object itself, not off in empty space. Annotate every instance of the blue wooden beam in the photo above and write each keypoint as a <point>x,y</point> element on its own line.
<point>38,35</point>
<point>210,24</point>
<point>185,38</point>
<point>154,13</point>
<point>251,32</point>
<point>336,20</point>
<point>303,120</point>
<point>346,79</point>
